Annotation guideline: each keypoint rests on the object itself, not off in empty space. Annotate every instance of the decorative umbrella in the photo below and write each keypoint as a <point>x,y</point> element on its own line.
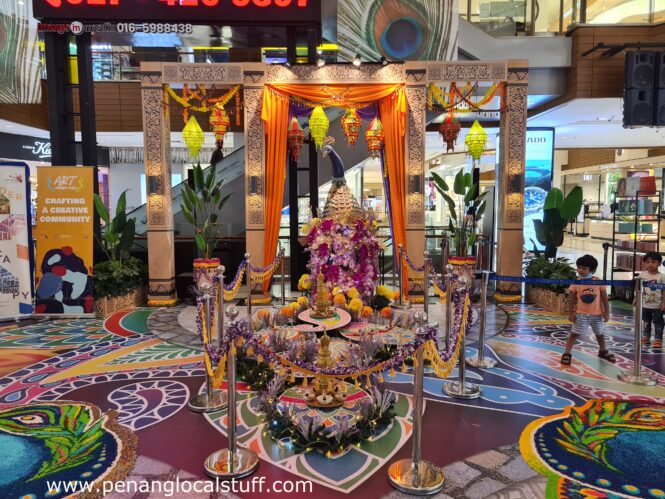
<point>219,121</point>
<point>449,130</point>
<point>351,125</point>
<point>375,137</point>
<point>193,136</point>
<point>475,140</point>
<point>318,125</point>
<point>295,137</point>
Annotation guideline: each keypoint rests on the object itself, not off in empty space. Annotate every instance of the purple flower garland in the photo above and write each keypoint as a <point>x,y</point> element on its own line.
<point>259,270</point>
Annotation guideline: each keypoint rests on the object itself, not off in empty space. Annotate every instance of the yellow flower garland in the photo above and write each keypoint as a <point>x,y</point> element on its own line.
<point>224,99</point>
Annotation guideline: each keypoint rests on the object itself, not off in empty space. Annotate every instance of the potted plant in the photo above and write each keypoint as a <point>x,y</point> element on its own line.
<point>557,212</point>
<point>118,282</point>
<point>201,206</point>
<point>462,224</point>
<point>551,297</point>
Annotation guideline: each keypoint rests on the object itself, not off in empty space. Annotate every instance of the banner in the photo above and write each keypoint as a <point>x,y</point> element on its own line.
<point>65,210</point>
<point>539,164</point>
<point>16,259</point>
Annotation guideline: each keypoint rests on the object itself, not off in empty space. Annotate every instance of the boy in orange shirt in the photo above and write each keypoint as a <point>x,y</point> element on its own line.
<point>588,306</point>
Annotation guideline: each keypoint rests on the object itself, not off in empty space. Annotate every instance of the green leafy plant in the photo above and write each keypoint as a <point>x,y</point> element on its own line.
<point>544,268</point>
<point>462,225</point>
<point>557,212</point>
<point>201,206</point>
<point>121,273</point>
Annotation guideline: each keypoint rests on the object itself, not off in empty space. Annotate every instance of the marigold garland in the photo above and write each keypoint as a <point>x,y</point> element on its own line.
<point>184,101</point>
<point>438,95</point>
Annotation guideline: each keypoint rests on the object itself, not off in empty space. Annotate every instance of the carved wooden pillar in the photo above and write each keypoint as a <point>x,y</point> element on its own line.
<point>157,144</point>
<point>416,94</point>
<point>510,187</point>
<point>254,161</point>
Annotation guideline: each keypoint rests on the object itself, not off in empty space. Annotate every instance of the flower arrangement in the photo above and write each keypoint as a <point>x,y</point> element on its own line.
<point>347,256</point>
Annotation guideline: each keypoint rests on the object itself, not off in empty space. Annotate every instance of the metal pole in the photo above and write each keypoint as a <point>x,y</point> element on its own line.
<point>415,476</point>
<point>401,304</point>
<point>448,281</point>
<point>461,389</point>
<point>211,400</point>
<point>233,462</point>
<point>480,361</point>
<point>220,308</point>
<point>606,248</point>
<point>282,281</point>
<point>248,276</point>
<point>445,253</point>
<point>637,377</point>
<point>426,282</point>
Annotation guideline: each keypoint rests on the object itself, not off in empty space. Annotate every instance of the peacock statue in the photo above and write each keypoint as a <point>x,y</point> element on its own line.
<point>341,205</point>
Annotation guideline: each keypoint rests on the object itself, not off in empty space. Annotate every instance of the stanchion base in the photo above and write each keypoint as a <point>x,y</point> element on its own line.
<point>217,464</point>
<point>455,390</point>
<point>200,402</point>
<point>401,476</point>
<point>481,364</point>
<point>642,379</point>
<point>404,306</point>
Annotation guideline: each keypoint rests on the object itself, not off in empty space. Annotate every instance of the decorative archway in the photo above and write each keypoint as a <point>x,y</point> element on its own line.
<point>415,76</point>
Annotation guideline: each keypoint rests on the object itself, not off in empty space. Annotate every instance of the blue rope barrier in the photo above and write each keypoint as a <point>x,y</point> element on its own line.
<point>562,282</point>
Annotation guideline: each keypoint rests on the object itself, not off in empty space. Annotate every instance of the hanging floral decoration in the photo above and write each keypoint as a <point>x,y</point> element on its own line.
<point>375,137</point>
<point>476,140</point>
<point>449,130</point>
<point>459,99</point>
<point>318,125</point>
<point>201,95</point>
<point>192,136</point>
<point>295,137</point>
<point>219,121</point>
<point>351,125</point>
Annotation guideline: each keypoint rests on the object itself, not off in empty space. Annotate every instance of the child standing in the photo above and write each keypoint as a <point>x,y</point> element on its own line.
<point>653,300</point>
<point>587,306</point>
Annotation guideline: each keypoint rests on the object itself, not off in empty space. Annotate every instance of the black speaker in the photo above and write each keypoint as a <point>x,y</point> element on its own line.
<point>640,70</point>
<point>659,107</point>
<point>637,107</point>
<point>659,74</point>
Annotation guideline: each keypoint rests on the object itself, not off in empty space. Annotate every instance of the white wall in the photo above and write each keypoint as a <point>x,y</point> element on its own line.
<point>128,177</point>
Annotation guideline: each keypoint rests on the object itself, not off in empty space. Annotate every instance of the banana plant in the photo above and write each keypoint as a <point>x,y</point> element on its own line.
<point>462,224</point>
<point>118,237</point>
<point>557,212</point>
<point>201,206</point>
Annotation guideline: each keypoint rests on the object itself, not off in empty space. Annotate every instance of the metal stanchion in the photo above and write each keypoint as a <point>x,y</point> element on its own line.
<point>637,377</point>
<point>248,276</point>
<point>211,400</point>
<point>426,288</point>
<point>232,462</point>
<point>220,309</point>
<point>415,476</point>
<point>480,361</point>
<point>282,281</point>
<point>401,303</point>
<point>462,389</point>
<point>478,249</point>
<point>445,253</point>
<point>448,281</point>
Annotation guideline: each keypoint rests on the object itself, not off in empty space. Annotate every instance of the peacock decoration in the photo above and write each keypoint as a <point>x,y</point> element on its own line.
<point>61,441</point>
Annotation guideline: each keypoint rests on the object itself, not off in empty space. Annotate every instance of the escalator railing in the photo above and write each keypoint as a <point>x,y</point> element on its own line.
<point>229,168</point>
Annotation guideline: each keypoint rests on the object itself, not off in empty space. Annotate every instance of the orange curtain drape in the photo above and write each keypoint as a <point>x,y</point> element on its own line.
<point>275,114</point>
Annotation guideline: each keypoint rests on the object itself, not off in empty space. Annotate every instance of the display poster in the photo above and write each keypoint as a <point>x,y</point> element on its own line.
<point>539,164</point>
<point>64,233</point>
<point>16,259</point>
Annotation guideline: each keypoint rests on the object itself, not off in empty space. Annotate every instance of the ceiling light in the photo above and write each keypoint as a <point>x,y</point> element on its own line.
<point>321,62</point>
<point>356,60</point>
<point>384,61</point>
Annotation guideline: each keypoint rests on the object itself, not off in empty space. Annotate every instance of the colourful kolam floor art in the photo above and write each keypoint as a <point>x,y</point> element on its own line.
<point>142,382</point>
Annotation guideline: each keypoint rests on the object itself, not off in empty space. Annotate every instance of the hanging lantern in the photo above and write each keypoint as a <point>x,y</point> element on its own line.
<point>318,125</point>
<point>449,130</point>
<point>375,137</point>
<point>193,136</point>
<point>475,140</point>
<point>219,121</point>
<point>295,137</point>
<point>351,125</point>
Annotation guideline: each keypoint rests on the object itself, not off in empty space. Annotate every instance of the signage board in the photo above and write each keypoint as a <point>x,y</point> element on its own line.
<point>16,257</point>
<point>65,209</point>
<point>281,12</point>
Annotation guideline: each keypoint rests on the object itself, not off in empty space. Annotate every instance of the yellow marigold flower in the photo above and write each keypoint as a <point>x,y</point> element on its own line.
<point>285,311</point>
<point>336,291</point>
<point>304,283</point>
<point>339,300</point>
<point>352,293</point>
<point>303,301</point>
<point>305,229</point>
<point>383,291</point>
<point>263,313</point>
<point>366,312</point>
<point>386,312</point>
<point>355,305</point>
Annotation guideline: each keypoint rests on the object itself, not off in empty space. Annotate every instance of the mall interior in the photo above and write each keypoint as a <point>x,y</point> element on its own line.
<point>386,247</point>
